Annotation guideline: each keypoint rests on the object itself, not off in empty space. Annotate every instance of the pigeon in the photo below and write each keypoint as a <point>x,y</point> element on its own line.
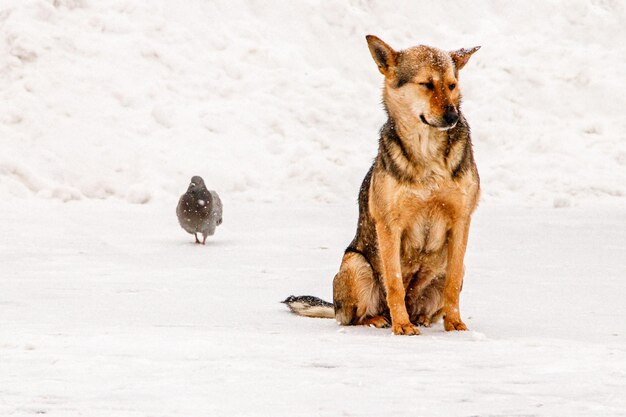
<point>199,210</point>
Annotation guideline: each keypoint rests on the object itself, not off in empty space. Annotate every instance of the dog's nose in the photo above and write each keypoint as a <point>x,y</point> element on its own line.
<point>450,116</point>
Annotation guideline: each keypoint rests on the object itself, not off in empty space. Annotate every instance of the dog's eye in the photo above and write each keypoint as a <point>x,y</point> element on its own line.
<point>452,87</point>
<point>429,86</point>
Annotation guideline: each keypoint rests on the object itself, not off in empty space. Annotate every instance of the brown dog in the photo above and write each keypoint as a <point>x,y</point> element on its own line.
<point>405,264</point>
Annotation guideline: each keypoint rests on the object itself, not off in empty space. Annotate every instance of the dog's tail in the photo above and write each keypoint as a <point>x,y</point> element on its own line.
<point>309,306</point>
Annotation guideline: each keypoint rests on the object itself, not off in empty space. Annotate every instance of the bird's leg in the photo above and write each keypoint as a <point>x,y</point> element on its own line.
<point>196,236</point>
<point>203,239</point>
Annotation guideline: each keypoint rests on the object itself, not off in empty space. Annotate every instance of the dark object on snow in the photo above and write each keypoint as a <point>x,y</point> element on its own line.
<point>199,210</point>
<point>307,305</point>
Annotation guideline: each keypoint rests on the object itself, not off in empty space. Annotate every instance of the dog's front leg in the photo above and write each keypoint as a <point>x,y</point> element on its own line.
<point>389,244</point>
<point>457,242</point>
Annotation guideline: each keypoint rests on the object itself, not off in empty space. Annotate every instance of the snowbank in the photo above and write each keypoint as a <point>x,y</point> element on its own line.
<point>273,101</point>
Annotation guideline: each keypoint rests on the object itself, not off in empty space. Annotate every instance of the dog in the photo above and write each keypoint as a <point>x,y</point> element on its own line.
<point>404,267</point>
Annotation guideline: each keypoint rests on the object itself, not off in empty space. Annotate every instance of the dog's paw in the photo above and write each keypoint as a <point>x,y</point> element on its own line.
<point>377,321</point>
<point>406,329</point>
<point>457,324</point>
<point>424,321</point>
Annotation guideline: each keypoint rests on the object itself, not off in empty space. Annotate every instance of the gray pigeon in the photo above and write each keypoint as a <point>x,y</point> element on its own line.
<point>199,210</point>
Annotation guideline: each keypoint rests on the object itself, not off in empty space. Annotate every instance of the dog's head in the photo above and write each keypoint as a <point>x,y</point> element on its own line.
<point>421,82</point>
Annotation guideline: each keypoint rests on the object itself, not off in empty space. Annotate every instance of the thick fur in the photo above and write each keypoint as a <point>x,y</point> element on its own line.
<point>309,306</point>
<point>405,267</point>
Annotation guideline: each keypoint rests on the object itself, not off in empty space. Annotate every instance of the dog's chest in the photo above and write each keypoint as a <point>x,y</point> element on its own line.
<point>427,233</point>
<point>427,219</point>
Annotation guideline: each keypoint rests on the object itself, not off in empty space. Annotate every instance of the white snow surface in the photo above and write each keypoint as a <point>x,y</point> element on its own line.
<point>109,309</point>
<point>275,100</point>
<point>114,311</point>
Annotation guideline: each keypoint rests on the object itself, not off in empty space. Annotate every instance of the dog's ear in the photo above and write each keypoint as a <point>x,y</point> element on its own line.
<point>383,54</point>
<point>461,56</point>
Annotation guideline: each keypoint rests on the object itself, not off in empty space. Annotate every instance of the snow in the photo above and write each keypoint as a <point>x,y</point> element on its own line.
<point>108,308</point>
<point>270,102</point>
<point>115,311</point>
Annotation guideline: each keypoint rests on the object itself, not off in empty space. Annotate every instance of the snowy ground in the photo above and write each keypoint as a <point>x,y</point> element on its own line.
<point>108,309</point>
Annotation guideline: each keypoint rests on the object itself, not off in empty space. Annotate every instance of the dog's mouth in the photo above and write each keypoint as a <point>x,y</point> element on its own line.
<point>443,128</point>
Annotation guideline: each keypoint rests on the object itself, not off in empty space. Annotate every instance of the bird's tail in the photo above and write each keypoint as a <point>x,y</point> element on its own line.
<point>309,306</point>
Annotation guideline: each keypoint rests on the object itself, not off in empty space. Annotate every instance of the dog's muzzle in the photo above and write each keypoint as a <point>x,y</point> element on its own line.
<point>450,117</point>
<point>449,120</point>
